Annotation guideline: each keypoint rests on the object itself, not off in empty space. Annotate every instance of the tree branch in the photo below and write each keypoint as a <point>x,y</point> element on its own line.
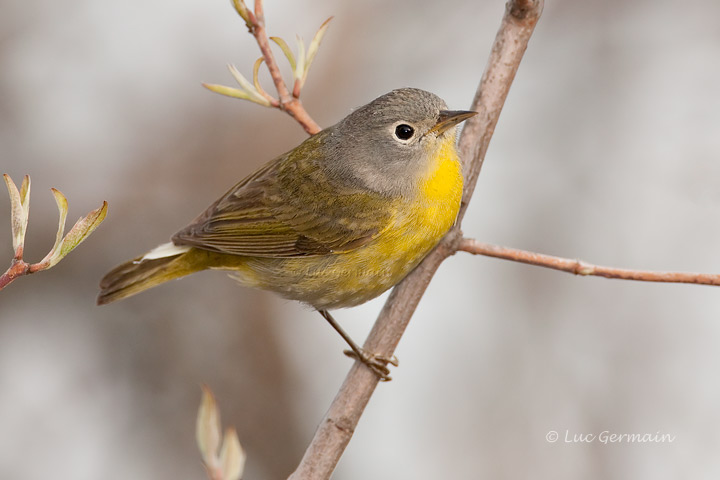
<point>18,268</point>
<point>579,267</point>
<point>336,429</point>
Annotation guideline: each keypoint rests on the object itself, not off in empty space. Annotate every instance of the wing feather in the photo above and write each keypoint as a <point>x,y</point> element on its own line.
<point>291,207</point>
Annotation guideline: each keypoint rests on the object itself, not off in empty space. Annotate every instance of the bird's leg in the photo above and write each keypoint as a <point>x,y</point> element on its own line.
<point>376,363</point>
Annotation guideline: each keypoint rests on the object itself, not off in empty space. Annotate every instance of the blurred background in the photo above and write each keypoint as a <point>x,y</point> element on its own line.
<point>608,150</point>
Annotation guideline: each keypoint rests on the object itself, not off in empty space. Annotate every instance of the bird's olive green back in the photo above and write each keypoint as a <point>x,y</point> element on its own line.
<point>291,207</point>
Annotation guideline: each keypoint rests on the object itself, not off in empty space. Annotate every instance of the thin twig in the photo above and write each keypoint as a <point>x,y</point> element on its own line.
<point>258,31</point>
<point>288,102</point>
<point>18,268</point>
<point>336,429</point>
<point>579,267</point>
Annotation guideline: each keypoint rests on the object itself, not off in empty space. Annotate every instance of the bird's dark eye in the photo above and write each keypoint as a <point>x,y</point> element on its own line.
<point>404,132</point>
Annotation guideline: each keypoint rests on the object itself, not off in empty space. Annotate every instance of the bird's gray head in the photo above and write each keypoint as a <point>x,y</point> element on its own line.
<point>388,143</point>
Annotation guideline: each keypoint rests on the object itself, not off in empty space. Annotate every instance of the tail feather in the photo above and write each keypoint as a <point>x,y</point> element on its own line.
<point>140,274</point>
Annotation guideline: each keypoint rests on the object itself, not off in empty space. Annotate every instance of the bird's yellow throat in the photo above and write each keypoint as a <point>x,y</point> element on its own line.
<point>441,188</point>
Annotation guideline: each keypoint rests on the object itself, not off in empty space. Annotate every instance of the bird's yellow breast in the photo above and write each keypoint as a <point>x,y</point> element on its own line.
<point>419,224</point>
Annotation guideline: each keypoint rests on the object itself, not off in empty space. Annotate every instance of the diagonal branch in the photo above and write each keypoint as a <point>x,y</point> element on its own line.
<point>579,267</point>
<point>336,429</point>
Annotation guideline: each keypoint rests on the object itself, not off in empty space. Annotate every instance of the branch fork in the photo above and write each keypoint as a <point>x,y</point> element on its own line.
<point>288,101</point>
<point>64,244</point>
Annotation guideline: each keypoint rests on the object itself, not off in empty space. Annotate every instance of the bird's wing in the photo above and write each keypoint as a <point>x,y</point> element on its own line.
<point>288,208</point>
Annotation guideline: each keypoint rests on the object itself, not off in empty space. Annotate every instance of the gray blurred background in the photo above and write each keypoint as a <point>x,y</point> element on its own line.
<point>608,150</point>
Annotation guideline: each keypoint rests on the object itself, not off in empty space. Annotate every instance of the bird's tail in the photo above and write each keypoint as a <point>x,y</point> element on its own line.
<point>166,262</point>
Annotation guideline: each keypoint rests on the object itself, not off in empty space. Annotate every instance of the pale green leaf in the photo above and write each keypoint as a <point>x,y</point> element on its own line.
<point>256,80</point>
<point>207,428</point>
<point>227,91</point>
<point>248,87</point>
<point>25,201</point>
<point>233,93</point>
<point>77,234</point>
<point>62,205</point>
<point>232,456</point>
<point>25,193</point>
<point>300,68</point>
<point>314,46</point>
<point>19,209</point>
<point>256,71</point>
<point>286,50</point>
<point>243,11</point>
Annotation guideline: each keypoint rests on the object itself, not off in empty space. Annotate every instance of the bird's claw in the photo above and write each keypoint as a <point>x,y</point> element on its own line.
<point>377,363</point>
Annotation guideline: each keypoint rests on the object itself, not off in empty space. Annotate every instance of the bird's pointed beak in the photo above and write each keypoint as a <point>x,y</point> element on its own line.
<point>449,118</point>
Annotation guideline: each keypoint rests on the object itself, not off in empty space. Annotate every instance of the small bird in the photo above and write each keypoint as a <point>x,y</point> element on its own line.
<point>332,223</point>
